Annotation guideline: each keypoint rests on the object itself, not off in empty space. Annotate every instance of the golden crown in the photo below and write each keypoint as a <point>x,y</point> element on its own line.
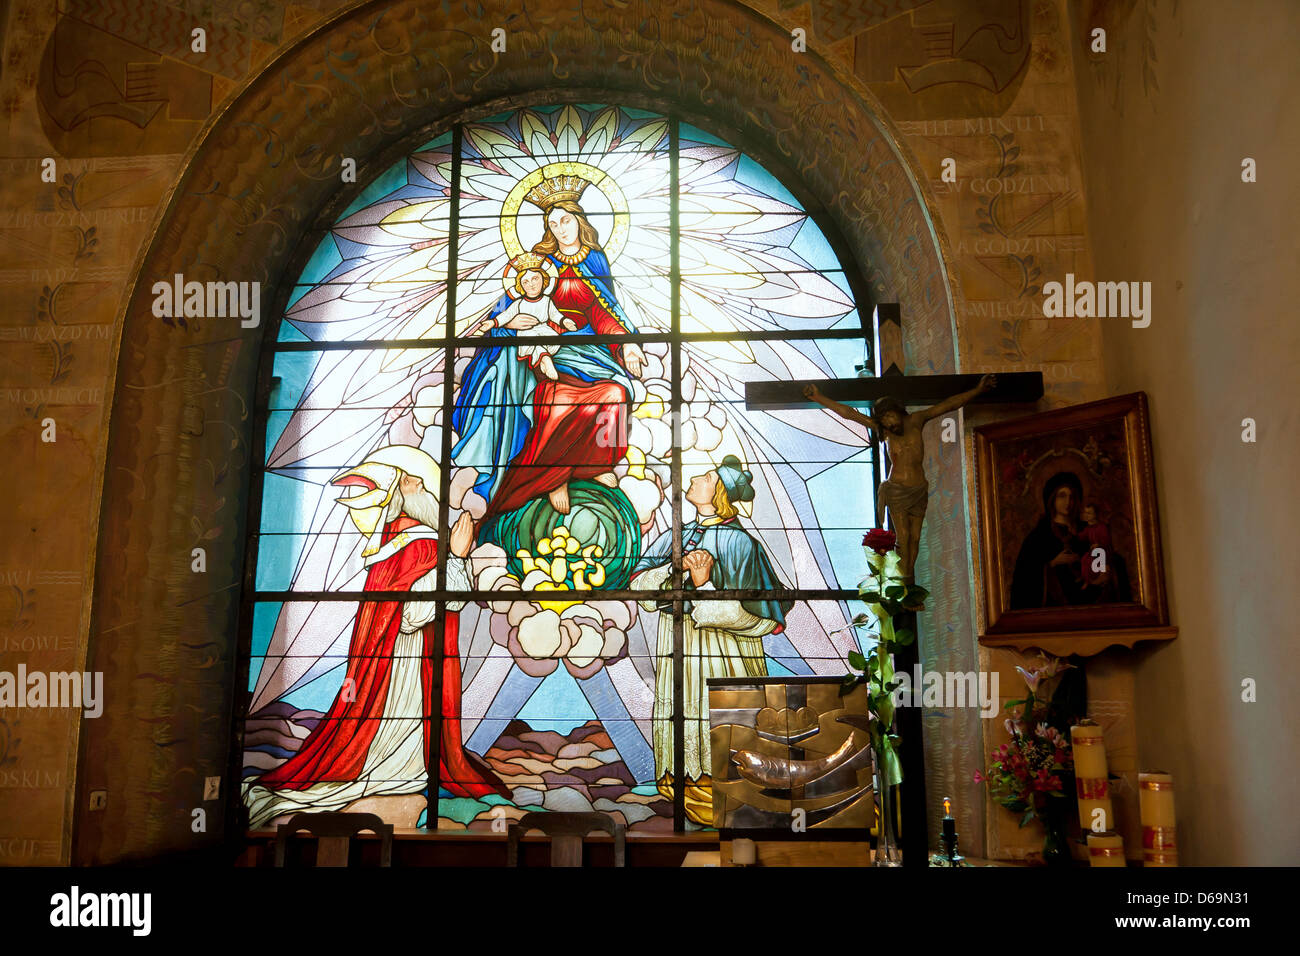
<point>548,192</point>
<point>527,260</point>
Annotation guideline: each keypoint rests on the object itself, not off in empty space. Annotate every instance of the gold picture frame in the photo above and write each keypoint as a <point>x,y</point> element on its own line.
<point>1069,528</point>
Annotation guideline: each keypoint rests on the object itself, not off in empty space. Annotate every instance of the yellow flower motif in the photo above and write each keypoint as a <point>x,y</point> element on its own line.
<point>561,557</point>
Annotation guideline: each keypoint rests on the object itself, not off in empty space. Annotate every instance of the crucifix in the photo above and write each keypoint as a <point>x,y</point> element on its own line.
<point>905,492</point>
<point>890,393</point>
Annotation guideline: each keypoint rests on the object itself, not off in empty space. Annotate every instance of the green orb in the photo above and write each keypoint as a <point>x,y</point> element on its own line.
<point>597,515</point>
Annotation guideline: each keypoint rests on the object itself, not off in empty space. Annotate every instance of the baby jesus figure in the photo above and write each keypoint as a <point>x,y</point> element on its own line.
<point>533,303</point>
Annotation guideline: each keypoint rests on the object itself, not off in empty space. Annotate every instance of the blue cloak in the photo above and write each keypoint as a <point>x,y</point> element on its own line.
<point>739,562</point>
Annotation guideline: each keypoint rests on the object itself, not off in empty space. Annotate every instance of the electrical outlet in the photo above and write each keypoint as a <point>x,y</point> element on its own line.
<point>98,799</point>
<point>211,788</point>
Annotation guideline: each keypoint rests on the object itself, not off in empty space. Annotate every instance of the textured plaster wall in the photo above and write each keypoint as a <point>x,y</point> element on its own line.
<point>1187,92</point>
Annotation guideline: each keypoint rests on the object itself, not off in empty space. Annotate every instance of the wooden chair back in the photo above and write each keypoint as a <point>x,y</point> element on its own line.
<point>334,833</point>
<point>566,831</point>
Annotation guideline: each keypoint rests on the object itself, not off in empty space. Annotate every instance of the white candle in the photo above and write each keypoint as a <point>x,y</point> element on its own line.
<point>743,852</point>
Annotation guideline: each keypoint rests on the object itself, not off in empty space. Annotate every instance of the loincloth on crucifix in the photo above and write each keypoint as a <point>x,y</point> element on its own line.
<point>903,499</point>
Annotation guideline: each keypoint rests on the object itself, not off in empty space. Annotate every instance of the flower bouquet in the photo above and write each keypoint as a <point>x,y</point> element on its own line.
<point>1033,775</point>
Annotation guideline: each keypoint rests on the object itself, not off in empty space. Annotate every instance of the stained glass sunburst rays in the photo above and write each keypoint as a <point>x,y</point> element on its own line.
<point>384,261</point>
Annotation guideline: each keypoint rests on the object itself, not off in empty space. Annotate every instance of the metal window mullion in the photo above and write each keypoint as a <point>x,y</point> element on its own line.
<point>675,403</point>
<point>603,338</point>
<point>613,594</point>
<point>434,767</point>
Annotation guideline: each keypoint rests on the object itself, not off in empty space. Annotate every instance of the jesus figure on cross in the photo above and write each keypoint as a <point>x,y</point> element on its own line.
<point>906,492</point>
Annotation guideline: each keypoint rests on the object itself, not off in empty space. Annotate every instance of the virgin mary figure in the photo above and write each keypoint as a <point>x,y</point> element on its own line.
<point>528,438</point>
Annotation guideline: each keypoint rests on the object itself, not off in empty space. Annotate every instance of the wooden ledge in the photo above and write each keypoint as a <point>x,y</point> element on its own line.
<point>1083,643</point>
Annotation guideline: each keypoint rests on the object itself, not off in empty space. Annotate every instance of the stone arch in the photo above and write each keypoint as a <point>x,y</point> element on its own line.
<point>263,174</point>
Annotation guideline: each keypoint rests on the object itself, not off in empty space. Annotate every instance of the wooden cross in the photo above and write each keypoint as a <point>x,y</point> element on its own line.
<point>911,390</point>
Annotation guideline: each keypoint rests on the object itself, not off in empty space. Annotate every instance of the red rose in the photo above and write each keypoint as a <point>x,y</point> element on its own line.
<point>879,540</point>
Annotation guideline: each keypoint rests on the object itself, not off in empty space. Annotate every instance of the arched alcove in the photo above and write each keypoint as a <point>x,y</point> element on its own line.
<point>265,173</point>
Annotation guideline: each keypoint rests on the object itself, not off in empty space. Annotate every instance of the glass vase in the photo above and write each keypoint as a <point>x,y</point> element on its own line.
<point>888,851</point>
<point>1056,839</point>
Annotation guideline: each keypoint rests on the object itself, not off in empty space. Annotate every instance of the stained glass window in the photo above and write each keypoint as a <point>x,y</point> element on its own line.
<point>512,508</point>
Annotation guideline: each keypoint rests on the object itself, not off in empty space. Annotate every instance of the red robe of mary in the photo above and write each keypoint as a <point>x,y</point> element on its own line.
<point>336,750</point>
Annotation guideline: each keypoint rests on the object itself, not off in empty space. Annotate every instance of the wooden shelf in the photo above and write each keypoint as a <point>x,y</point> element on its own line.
<point>1083,643</point>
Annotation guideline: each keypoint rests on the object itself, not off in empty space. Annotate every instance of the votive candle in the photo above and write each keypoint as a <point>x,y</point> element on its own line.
<point>743,852</point>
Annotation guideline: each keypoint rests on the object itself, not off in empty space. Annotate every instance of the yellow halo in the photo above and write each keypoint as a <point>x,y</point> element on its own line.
<point>613,244</point>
